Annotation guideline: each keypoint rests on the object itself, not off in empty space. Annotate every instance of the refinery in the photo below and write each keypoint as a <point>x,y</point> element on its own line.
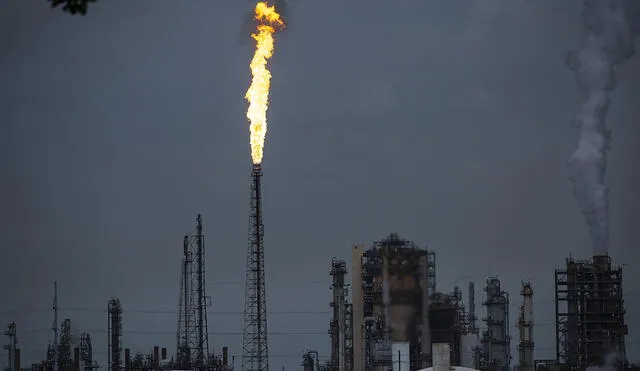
<point>387,314</point>
<point>387,311</point>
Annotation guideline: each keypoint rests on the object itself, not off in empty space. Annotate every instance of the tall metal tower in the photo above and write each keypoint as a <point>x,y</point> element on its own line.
<point>193,334</point>
<point>12,347</point>
<point>115,335</point>
<point>254,341</point>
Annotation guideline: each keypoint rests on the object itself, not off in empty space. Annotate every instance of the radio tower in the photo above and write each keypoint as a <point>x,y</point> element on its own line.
<point>192,335</point>
<point>254,341</point>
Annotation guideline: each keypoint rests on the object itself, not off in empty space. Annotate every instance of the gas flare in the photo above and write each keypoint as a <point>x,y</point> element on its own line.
<point>269,21</point>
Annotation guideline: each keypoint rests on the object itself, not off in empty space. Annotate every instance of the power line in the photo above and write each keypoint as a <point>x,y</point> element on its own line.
<point>169,311</point>
<point>158,332</point>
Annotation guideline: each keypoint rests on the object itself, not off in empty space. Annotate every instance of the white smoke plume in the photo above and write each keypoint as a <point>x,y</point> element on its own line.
<point>611,363</point>
<point>607,40</point>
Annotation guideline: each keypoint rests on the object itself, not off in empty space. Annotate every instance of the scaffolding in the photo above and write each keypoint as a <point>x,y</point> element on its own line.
<point>590,312</point>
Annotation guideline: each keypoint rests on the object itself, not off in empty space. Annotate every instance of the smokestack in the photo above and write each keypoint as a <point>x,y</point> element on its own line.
<point>156,357</point>
<point>127,359</point>
<point>607,41</point>
<point>163,353</point>
<point>357,307</point>
<point>225,356</point>
<point>76,359</point>
<point>16,361</point>
<point>472,305</point>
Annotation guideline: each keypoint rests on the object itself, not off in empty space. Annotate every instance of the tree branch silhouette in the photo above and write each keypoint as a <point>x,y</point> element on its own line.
<point>72,7</point>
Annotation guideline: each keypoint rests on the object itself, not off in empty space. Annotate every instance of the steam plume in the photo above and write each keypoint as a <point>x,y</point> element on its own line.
<point>607,40</point>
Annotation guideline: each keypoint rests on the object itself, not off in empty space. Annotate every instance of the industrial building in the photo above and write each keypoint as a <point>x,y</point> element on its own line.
<point>590,324</point>
<point>390,316</point>
<point>396,314</point>
<point>69,353</point>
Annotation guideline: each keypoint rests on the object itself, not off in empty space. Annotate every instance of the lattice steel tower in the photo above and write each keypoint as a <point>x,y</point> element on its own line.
<point>254,341</point>
<point>192,335</point>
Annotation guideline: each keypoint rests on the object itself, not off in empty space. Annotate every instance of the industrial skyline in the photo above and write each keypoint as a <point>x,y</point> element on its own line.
<point>98,196</point>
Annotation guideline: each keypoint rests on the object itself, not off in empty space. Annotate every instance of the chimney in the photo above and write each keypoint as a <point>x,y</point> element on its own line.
<point>163,353</point>
<point>16,354</point>
<point>225,356</point>
<point>156,357</point>
<point>127,359</point>
<point>76,359</point>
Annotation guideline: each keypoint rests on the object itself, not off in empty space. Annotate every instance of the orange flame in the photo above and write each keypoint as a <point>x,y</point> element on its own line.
<point>258,94</point>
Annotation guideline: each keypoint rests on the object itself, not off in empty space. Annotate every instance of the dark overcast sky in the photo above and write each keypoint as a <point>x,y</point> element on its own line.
<point>447,122</point>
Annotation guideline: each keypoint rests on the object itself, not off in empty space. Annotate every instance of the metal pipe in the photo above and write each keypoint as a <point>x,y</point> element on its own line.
<point>357,307</point>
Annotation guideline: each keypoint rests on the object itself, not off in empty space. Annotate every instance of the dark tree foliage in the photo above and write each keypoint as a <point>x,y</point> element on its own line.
<point>72,7</point>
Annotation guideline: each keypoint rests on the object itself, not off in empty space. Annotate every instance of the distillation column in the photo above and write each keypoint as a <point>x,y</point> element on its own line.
<point>496,339</point>
<point>525,326</point>
<point>339,321</point>
<point>115,335</point>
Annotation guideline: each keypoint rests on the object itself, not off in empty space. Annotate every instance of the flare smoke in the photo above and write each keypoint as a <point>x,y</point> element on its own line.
<point>607,40</point>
